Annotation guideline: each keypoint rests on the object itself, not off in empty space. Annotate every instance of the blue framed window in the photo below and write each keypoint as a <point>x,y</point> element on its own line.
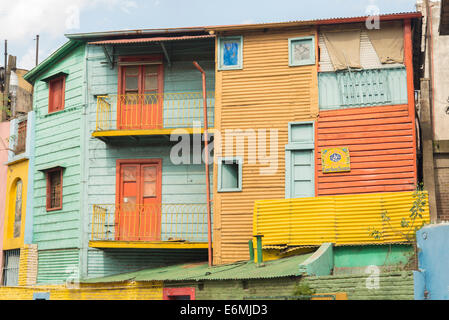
<point>229,174</point>
<point>301,51</point>
<point>230,53</point>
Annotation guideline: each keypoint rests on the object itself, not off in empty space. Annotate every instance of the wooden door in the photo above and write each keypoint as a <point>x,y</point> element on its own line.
<point>140,97</point>
<point>138,207</point>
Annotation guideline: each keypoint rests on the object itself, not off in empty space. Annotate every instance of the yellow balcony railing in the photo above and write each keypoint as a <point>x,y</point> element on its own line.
<point>343,220</point>
<point>153,111</point>
<point>166,222</point>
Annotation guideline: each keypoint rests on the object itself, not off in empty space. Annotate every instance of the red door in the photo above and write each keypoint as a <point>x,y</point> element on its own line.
<point>140,96</point>
<point>138,207</point>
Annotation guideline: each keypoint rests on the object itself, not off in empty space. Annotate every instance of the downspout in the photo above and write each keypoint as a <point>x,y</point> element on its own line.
<point>206,161</point>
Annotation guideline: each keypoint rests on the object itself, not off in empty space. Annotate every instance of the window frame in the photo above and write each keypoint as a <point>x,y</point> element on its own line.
<point>51,92</point>
<point>239,65</point>
<point>239,161</point>
<point>309,62</point>
<point>48,189</point>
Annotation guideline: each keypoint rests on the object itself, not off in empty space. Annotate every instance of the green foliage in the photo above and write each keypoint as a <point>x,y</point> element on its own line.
<point>303,291</point>
<point>408,227</point>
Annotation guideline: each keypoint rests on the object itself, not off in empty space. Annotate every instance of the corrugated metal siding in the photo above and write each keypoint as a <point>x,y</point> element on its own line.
<point>381,147</point>
<point>57,143</point>
<point>55,266</point>
<point>343,220</point>
<point>114,261</point>
<point>266,94</point>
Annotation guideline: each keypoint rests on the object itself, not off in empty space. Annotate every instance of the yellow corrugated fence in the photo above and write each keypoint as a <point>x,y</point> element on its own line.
<point>343,220</point>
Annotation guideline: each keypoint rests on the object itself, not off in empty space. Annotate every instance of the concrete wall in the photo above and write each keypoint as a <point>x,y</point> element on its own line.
<point>441,81</point>
<point>392,286</point>
<point>433,257</point>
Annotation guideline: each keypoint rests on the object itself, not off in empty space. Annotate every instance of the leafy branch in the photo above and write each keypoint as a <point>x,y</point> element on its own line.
<point>407,224</point>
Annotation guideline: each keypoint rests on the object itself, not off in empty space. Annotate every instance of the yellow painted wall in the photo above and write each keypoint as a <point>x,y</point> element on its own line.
<point>16,171</point>
<point>342,220</point>
<point>265,94</point>
<point>101,291</point>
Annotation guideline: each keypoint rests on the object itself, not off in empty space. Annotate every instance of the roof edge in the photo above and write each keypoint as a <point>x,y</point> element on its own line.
<point>383,17</point>
<point>31,75</point>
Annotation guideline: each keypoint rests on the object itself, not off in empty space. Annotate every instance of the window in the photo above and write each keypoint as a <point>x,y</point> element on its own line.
<point>21,137</point>
<point>11,259</point>
<point>301,51</point>
<point>230,53</point>
<point>230,174</point>
<point>56,94</point>
<point>54,189</point>
<point>18,210</point>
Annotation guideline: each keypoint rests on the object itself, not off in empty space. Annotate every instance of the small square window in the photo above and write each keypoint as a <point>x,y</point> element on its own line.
<point>54,189</point>
<point>56,94</point>
<point>230,174</point>
<point>301,51</point>
<point>230,53</point>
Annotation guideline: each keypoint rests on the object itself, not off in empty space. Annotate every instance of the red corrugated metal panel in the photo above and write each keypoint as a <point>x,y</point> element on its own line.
<point>381,147</point>
<point>144,40</point>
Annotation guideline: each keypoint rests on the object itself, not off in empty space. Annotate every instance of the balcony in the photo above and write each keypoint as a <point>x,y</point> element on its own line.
<point>362,88</point>
<point>151,114</point>
<point>182,226</point>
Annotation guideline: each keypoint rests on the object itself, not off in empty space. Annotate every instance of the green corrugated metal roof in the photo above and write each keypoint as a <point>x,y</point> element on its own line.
<point>237,271</point>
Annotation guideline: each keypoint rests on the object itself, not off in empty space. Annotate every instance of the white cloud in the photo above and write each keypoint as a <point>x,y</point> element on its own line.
<point>21,18</point>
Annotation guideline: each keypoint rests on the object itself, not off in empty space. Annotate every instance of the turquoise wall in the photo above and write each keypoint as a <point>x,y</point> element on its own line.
<point>181,184</point>
<point>57,143</point>
<point>378,255</point>
<point>113,261</point>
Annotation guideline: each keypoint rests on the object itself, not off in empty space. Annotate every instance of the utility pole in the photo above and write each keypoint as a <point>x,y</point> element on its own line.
<point>37,50</point>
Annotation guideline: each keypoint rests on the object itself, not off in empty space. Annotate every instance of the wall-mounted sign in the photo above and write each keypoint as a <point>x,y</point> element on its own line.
<point>335,160</point>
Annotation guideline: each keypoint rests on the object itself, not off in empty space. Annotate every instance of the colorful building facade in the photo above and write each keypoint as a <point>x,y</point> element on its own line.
<point>314,141</point>
<point>339,95</point>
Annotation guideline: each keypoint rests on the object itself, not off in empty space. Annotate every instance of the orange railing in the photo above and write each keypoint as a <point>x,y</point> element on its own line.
<point>166,222</point>
<point>153,111</point>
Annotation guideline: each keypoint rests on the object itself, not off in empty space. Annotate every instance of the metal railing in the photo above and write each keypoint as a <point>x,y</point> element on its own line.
<point>166,222</point>
<point>153,111</point>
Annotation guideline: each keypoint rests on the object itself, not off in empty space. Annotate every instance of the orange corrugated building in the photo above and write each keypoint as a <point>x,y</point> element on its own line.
<point>338,88</point>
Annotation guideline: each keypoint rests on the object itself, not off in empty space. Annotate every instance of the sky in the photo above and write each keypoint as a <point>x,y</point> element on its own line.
<point>22,20</point>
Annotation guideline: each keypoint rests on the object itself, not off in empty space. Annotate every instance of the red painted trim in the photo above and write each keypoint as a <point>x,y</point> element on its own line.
<point>170,292</point>
<point>408,60</point>
<point>48,193</point>
<point>51,92</point>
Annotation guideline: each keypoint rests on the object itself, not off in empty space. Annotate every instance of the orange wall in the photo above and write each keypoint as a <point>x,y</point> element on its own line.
<point>381,141</point>
<point>265,94</point>
<point>381,149</point>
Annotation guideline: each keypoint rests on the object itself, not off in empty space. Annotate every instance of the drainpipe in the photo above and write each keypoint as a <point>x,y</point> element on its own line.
<point>206,160</point>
